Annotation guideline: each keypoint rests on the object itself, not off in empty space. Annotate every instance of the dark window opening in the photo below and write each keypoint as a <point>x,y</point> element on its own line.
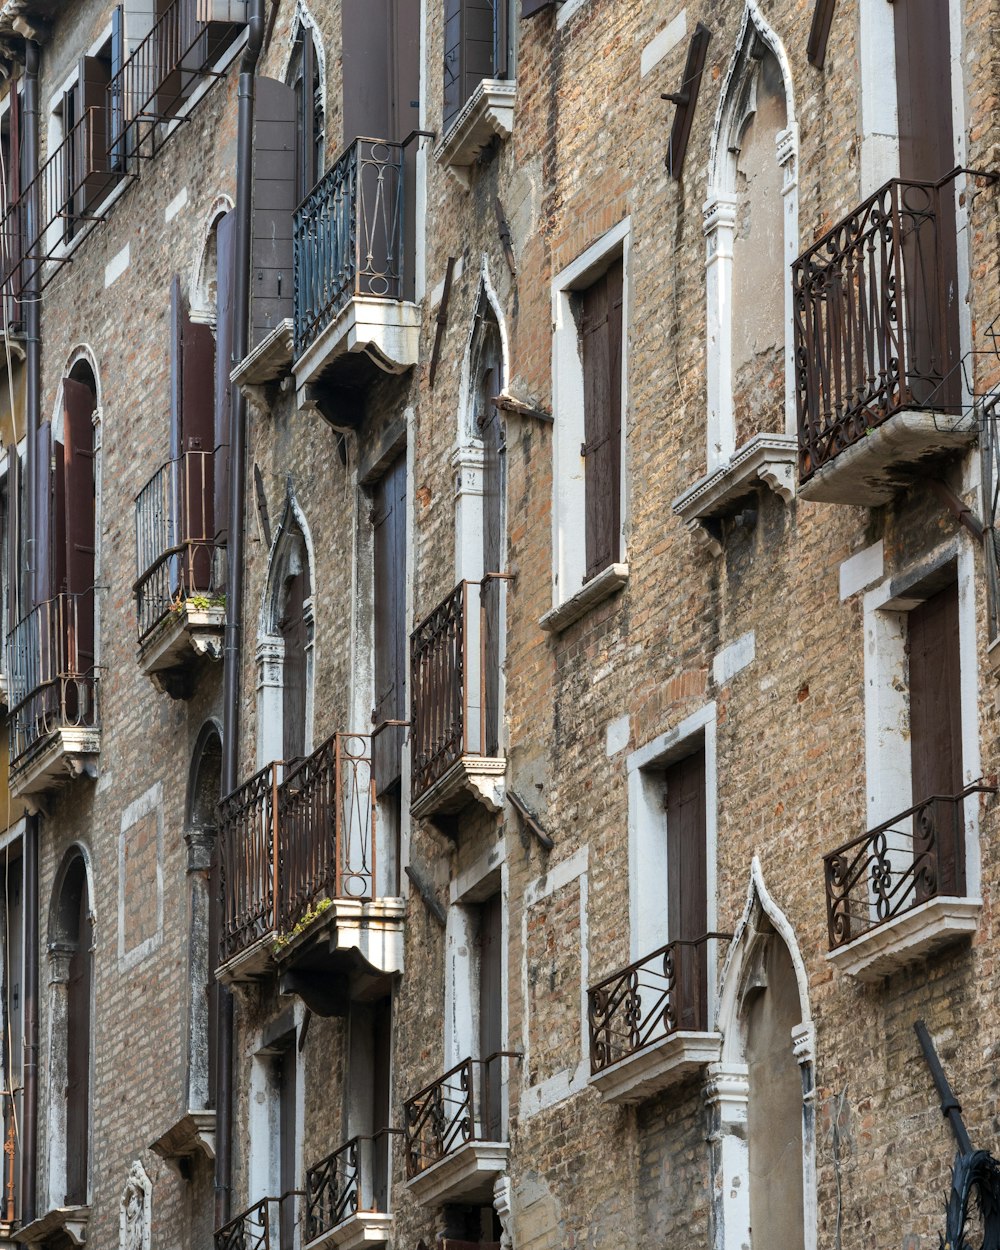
<point>476,46</point>
<point>687,882</point>
<point>309,112</point>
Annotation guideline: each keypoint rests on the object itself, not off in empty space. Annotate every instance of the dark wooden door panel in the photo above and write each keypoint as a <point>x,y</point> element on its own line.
<point>600,350</point>
<point>491,1013</point>
<point>687,881</point>
<point>389,522</point>
<point>292,628</point>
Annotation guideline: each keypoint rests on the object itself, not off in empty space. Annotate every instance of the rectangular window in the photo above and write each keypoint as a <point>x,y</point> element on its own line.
<point>476,46</point>
<point>687,880</point>
<point>389,524</point>
<point>600,330</point>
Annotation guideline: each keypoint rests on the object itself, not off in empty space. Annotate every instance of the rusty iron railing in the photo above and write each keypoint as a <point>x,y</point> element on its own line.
<point>348,236</point>
<point>287,844</point>
<point>874,331</point>
<point>52,679</point>
<point>648,1001</point>
<point>455,683</point>
<point>898,865</point>
<point>353,1178</point>
<point>456,1108</point>
<point>259,1227</point>
<point>174,538</point>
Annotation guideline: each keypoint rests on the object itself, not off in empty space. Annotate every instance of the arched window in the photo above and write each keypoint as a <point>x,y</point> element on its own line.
<point>71,977</point>
<point>285,646</point>
<point>761,1097</point>
<point>306,80</point>
<point>751,228</point>
<point>204,792</point>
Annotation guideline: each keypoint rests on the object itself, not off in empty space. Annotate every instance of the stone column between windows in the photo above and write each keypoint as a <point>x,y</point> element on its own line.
<point>727,1096</point>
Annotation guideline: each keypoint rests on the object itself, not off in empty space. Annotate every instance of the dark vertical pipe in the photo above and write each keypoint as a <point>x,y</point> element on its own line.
<point>33,363</point>
<point>234,560</point>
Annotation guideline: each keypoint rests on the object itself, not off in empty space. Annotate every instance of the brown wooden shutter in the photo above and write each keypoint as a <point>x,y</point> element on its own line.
<point>367,49</point>
<point>274,202</point>
<point>225,250</point>
<point>13,537</point>
<point>468,51</point>
<point>197,441</point>
<point>389,521</point>
<point>936,726</point>
<point>490,1014</point>
<point>78,992</point>
<point>287,1141</point>
<point>601,353</point>
<point>305,108</point>
<point>93,179</point>
<point>292,628</point>
<point>491,432</point>
<point>41,556</point>
<point>687,881</point>
<point>80,521</point>
<point>381,1088</point>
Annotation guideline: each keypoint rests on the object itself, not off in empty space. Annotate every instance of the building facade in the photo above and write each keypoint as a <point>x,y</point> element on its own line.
<point>501,614</point>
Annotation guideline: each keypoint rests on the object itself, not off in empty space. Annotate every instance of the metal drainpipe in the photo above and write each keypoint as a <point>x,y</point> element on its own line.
<point>234,586</point>
<point>33,363</point>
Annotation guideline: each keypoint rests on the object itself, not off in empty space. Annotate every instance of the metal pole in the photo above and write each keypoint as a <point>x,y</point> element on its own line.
<point>950,1106</point>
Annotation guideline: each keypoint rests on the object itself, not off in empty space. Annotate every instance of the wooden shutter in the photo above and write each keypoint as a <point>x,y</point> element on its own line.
<point>491,432</point>
<point>468,51</point>
<point>41,556</point>
<point>192,438</point>
<point>491,1014</point>
<point>274,202</point>
<point>381,1114</point>
<point>389,521</point>
<point>14,240</point>
<point>305,108</point>
<point>287,1139</point>
<point>80,521</point>
<point>531,8</point>
<point>601,353</point>
<point>367,49</point>
<point>12,537</point>
<point>225,250</point>
<point>292,628</point>
<point>78,1032</point>
<point>936,726</point>
<point>116,96</point>
<point>93,179</point>
<point>687,881</point>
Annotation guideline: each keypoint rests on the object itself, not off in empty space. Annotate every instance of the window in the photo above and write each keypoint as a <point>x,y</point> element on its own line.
<point>590,390</point>
<point>274,1128</point>
<point>12,1017</point>
<point>304,76</point>
<point>477,45</point>
<point>203,877</point>
<point>368,1086</point>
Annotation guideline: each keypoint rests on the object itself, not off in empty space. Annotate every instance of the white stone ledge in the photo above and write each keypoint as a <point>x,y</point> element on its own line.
<point>599,588</point>
<point>363,1228</point>
<point>907,938</point>
<point>657,1067</point>
<point>465,1175</point>
<point>487,114</point>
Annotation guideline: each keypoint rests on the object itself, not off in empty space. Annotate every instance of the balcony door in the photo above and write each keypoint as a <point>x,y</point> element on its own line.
<point>687,884</point>
<point>287,1134</point>
<point>936,735</point>
<point>294,632</point>
<point>926,154</point>
<point>491,1016</point>
<point>494,551</point>
<point>389,524</point>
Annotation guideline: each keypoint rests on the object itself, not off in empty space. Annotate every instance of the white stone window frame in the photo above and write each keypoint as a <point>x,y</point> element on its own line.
<point>485,877</point>
<point>737,103</point>
<point>270,653</point>
<point>887,742</point>
<point>569,542</point>
<point>572,1079</point>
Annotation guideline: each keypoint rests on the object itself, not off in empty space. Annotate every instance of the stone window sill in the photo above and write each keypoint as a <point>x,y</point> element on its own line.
<point>599,588</point>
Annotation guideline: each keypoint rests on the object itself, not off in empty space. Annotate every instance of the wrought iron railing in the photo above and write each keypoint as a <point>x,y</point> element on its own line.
<point>260,1227</point>
<point>454,671</point>
<point>353,1178</point>
<point>459,1107</point>
<point>916,856</point>
<point>648,1001</point>
<point>174,538</point>
<point>874,327</point>
<point>288,844</point>
<point>349,236</point>
<point>52,679</point>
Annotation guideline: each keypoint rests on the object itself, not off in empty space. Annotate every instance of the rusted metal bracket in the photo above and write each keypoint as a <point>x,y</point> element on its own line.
<point>387,724</point>
<point>427,896</point>
<point>686,99</point>
<point>503,226</point>
<point>442,321</point>
<point>507,403</point>
<point>529,820</point>
<point>958,508</point>
<point>819,33</point>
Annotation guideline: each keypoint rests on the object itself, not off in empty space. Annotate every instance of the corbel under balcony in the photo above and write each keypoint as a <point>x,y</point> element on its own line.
<point>907,938</point>
<point>187,632</point>
<point>767,459</point>
<point>887,459</point>
<point>646,1072</point>
<point>191,1138</point>
<point>60,1226</point>
<point>362,1228</point>
<point>466,1175</point>
<point>70,751</point>
<point>268,362</point>
<point>486,115</point>
<point>472,778</point>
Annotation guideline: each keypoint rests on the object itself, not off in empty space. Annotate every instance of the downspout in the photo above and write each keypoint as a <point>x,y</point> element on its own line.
<point>234,561</point>
<point>33,366</point>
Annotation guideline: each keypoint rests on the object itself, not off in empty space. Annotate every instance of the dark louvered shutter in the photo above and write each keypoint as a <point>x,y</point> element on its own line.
<point>687,882</point>
<point>601,353</point>
<point>491,1013</point>
<point>292,628</point>
<point>306,170</point>
<point>274,203</point>
<point>381,1109</point>
<point>365,25</point>
<point>78,1061</point>
<point>225,250</point>
<point>80,520</point>
<point>93,179</point>
<point>469,51</point>
<point>13,537</point>
<point>41,556</point>
<point>389,519</point>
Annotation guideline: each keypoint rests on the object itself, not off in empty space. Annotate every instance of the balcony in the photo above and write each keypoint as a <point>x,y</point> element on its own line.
<point>299,884</point>
<point>455,1134</point>
<point>897,893</point>
<point>268,1225</point>
<point>347,1195</point>
<point>179,594</point>
<point>455,704</point>
<point>53,691</point>
<point>878,383</point>
<point>649,1023</point>
<point>353,312</point>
